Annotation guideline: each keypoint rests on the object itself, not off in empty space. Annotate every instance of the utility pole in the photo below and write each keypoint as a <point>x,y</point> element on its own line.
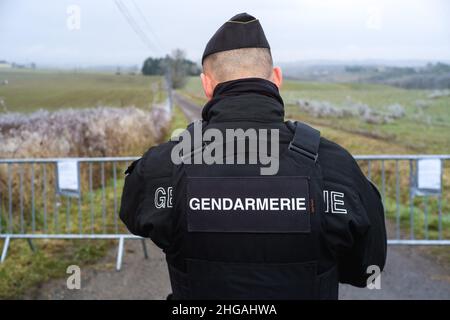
<point>168,79</point>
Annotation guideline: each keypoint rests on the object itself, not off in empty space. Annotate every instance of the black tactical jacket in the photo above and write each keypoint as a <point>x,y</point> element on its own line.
<point>353,228</point>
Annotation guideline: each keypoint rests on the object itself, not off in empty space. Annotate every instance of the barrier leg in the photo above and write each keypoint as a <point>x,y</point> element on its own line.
<point>31,244</point>
<point>120,254</point>
<point>144,248</point>
<point>5,250</point>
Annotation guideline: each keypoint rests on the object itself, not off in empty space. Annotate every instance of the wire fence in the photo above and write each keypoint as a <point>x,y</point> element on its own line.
<point>33,204</point>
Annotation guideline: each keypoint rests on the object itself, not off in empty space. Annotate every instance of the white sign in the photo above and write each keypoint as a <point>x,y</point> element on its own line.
<point>429,174</point>
<point>68,176</point>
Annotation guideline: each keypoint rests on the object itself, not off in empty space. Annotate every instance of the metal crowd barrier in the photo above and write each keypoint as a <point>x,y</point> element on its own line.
<point>32,206</point>
<point>414,216</point>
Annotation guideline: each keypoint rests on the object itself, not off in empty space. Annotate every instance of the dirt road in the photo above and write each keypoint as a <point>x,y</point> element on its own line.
<point>190,110</point>
<point>409,273</point>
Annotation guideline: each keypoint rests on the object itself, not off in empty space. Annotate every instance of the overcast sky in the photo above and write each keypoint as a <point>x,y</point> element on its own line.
<point>48,32</point>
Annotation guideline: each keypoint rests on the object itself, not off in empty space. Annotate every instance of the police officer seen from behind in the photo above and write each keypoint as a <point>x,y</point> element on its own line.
<point>231,232</point>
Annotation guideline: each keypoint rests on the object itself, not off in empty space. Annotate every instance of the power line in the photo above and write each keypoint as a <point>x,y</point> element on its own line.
<point>139,32</point>
<point>134,25</point>
<point>148,25</point>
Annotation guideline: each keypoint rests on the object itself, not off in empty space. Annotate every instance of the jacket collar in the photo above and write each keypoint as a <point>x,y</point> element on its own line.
<point>249,99</point>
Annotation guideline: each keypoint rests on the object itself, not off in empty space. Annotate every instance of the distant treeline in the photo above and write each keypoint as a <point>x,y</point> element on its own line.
<point>432,76</point>
<point>177,63</point>
<point>157,66</point>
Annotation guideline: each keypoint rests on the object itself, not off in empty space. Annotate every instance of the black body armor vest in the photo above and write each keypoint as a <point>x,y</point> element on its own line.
<point>242,235</point>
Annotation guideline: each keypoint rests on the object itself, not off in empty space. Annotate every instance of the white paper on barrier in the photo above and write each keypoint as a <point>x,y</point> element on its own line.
<point>68,175</point>
<point>429,174</point>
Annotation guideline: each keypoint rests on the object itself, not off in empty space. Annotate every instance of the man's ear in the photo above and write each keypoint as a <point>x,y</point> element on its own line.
<point>208,85</point>
<point>277,77</point>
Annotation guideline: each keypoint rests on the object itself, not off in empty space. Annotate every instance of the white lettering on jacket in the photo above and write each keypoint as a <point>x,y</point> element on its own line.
<point>247,204</point>
<point>163,198</point>
<point>334,202</point>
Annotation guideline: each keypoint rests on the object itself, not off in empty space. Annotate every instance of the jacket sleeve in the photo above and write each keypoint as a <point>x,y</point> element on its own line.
<point>146,204</point>
<point>368,232</point>
<point>354,222</point>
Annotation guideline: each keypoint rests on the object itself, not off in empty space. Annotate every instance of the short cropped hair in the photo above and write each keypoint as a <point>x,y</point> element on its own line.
<point>239,63</point>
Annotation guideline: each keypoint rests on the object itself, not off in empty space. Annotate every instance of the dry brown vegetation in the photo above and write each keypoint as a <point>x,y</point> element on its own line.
<point>96,132</point>
<point>80,133</point>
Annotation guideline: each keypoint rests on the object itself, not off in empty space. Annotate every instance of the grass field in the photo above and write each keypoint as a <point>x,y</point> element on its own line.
<point>29,91</point>
<point>421,130</point>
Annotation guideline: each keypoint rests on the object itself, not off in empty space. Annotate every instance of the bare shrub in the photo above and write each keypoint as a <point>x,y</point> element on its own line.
<point>375,118</point>
<point>422,104</point>
<point>438,94</point>
<point>362,108</point>
<point>99,131</point>
<point>396,111</point>
<point>322,109</point>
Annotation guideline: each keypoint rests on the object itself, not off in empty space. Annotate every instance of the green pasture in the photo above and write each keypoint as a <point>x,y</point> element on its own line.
<point>28,91</point>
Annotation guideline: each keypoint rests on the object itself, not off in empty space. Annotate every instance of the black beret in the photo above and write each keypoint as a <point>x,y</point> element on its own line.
<point>241,31</point>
